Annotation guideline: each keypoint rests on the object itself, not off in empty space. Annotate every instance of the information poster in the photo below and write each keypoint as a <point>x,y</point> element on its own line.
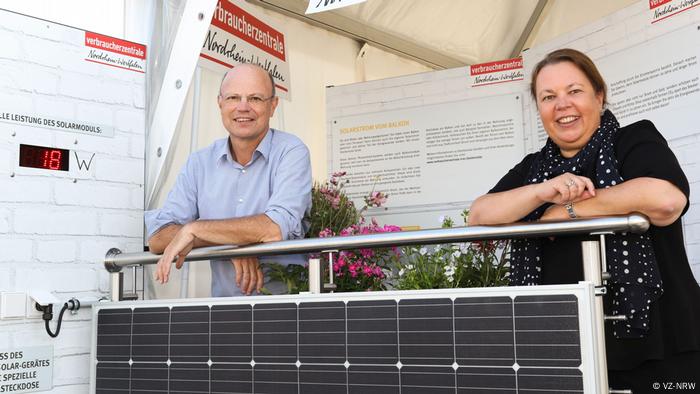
<point>663,88</point>
<point>431,155</point>
<point>26,370</point>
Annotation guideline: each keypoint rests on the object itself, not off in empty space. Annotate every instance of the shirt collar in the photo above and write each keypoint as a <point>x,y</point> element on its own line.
<point>266,144</point>
<point>222,152</point>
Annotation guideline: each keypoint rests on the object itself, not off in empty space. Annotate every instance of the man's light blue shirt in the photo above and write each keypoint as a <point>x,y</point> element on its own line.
<point>276,182</point>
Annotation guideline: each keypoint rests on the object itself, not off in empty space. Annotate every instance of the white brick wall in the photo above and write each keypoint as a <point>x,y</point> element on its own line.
<point>120,170</point>
<point>7,277</point>
<point>24,190</point>
<point>5,220</point>
<point>15,249</point>
<point>58,251</point>
<point>54,229</point>
<point>119,224</point>
<point>49,220</point>
<point>94,194</point>
<point>129,120</point>
<point>117,146</point>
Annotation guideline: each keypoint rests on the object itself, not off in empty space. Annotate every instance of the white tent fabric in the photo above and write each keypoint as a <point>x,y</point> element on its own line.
<point>452,33</point>
<point>469,31</point>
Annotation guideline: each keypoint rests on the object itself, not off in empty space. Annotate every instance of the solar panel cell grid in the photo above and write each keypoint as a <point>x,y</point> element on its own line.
<point>414,345</point>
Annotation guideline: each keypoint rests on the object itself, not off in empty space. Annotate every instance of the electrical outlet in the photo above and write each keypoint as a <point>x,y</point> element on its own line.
<point>31,311</point>
<point>12,305</point>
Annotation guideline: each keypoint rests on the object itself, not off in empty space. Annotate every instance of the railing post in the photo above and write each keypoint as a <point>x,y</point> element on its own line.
<point>330,286</point>
<point>117,288</point>
<point>592,272</point>
<point>315,276</point>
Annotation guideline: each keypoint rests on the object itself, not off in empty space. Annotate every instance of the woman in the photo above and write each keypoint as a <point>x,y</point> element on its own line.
<point>590,166</point>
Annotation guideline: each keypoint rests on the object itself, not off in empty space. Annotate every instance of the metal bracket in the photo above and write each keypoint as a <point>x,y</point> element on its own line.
<point>601,290</point>
<point>133,295</point>
<point>330,286</point>
<point>615,318</point>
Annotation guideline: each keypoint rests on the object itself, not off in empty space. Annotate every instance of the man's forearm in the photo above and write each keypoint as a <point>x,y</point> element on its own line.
<point>160,240</point>
<point>238,231</point>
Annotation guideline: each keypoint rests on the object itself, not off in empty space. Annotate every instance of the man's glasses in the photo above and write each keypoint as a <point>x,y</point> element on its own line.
<point>254,99</point>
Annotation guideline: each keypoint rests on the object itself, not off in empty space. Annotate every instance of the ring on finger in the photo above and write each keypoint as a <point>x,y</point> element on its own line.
<point>570,183</point>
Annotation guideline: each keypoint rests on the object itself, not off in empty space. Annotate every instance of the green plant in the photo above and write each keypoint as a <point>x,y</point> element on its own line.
<point>294,276</point>
<point>330,207</point>
<point>333,214</point>
<point>474,264</point>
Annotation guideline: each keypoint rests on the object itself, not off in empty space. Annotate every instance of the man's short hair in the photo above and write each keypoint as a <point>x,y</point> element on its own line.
<point>272,80</point>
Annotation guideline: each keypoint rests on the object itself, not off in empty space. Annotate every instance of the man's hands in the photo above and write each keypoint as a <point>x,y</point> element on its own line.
<point>249,274</point>
<point>179,247</point>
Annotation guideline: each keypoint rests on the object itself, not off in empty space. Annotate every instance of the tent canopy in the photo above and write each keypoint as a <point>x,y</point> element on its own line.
<point>447,34</point>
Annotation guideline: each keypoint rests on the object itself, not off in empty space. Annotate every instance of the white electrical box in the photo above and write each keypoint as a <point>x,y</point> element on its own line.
<point>12,305</point>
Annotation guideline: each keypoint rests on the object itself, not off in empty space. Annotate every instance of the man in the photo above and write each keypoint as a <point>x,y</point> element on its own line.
<point>251,187</point>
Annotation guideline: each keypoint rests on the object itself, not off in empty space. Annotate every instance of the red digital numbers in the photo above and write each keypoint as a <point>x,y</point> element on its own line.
<point>52,159</point>
<point>43,157</point>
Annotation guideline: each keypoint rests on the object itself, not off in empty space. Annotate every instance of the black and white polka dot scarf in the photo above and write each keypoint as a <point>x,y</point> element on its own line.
<point>635,279</point>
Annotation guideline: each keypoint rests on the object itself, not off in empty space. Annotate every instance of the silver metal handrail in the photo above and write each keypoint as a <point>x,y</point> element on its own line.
<point>115,260</point>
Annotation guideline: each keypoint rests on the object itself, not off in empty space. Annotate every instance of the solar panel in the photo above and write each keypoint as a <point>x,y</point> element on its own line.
<point>499,340</point>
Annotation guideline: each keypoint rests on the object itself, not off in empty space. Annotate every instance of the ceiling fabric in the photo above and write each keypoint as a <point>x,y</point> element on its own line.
<point>468,30</point>
<point>452,33</point>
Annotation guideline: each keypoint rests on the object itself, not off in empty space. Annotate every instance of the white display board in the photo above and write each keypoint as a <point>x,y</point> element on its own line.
<point>663,87</point>
<point>430,154</point>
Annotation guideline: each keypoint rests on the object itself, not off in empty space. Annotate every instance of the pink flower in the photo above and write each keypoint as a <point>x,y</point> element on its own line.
<point>349,231</point>
<point>376,199</point>
<point>326,233</point>
<point>367,253</point>
<point>378,272</point>
<point>339,174</point>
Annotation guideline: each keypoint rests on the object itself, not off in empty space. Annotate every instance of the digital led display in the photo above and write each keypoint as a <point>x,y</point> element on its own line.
<point>43,157</point>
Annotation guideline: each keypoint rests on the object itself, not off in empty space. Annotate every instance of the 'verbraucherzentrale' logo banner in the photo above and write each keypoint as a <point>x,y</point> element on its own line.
<point>236,36</point>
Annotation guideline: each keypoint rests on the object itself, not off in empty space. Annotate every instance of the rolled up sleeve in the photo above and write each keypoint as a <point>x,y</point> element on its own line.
<point>291,193</point>
<point>180,206</point>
